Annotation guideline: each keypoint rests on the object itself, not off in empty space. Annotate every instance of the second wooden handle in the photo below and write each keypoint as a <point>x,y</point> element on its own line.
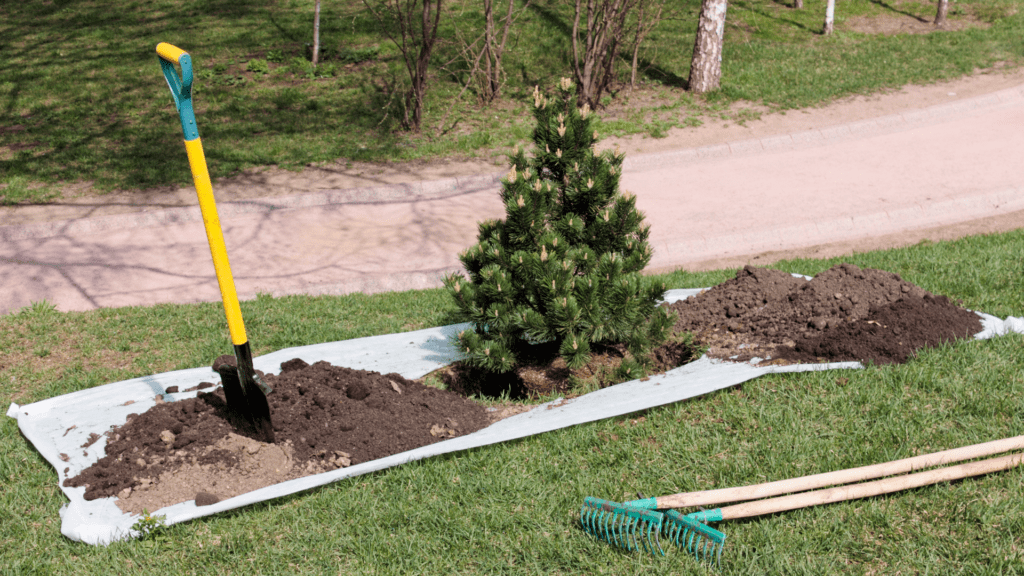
<point>868,489</point>
<point>768,489</point>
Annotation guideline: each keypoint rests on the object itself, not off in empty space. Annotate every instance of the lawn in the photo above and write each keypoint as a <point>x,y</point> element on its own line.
<point>82,98</point>
<point>513,508</point>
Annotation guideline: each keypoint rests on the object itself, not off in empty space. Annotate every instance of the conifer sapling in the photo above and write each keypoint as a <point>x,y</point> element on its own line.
<point>564,266</point>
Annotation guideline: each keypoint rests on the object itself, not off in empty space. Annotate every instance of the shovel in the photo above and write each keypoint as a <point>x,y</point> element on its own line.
<point>246,394</point>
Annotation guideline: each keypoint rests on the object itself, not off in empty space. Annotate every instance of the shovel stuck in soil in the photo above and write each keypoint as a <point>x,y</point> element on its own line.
<point>245,393</point>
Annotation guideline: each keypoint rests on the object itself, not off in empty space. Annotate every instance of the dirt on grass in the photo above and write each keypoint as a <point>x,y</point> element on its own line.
<point>327,417</point>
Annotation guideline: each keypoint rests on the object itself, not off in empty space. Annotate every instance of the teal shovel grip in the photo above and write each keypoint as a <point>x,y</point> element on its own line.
<point>181,87</point>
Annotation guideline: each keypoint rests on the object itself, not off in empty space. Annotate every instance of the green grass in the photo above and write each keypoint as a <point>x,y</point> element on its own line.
<point>82,97</point>
<point>513,508</point>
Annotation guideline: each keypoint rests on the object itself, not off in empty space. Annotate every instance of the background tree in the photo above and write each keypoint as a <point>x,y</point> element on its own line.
<point>593,63</point>
<point>830,13</point>
<point>316,33</point>
<point>416,22</point>
<point>648,17</point>
<point>562,271</point>
<point>486,69</point>
<point>940,15</point>
<point>706,65</point>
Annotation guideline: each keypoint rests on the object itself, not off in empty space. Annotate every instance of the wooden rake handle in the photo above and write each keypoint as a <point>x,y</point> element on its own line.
<point>768,489</point>
<point>868,489</point>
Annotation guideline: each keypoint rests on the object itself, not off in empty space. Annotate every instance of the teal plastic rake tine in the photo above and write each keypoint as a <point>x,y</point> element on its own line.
<point>693,536</point>
<point>623,526</point>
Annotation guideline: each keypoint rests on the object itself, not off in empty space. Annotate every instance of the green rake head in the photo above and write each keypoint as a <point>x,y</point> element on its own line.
<point>692,535</point>
<point>623,526</point>
<point>634,527</point>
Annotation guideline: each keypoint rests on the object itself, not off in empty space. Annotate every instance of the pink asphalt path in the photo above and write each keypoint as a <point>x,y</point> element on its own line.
<point>941,165</point>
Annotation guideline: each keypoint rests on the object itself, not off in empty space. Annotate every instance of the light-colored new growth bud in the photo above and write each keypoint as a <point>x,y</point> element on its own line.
<point>574,345</point>
<point>512,174</point>
<point>564,302</point>
<point>561,130</point>
<point>543,253</point>
<point>546,149</point>
<point>595,134</point>
<point>458,287</point>
<point>558,152</point>
<point>537,186</point>
<point>520,202</point>
<point>566,83</point>
<point>561,118</point>
<point>585,111</point>
<point>606,214</point>
<point>536,96</point>
<point>590,183</point>
<point>555,242</point>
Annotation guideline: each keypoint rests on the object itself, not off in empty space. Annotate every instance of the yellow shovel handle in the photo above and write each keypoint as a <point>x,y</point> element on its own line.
<point>204,189</point>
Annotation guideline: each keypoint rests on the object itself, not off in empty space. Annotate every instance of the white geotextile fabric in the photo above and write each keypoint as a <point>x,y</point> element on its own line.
<point>63,424</point>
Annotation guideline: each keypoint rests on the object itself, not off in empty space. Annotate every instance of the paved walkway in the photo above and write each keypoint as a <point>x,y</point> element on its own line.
<point>941,165</point>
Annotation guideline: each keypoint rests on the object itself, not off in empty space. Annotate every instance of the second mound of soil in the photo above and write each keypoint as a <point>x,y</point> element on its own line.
<point>845,313</point>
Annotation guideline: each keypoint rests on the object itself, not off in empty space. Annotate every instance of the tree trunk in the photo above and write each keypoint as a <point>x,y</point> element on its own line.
<point>316,33</point>
<point>594,64</point>
<point>830,13</point>
<point>499,51</point>
<point>798,4</point>
<point>706,66</point>
<point>940,16</point>
<point>428,35</point>
<point>646,21</point>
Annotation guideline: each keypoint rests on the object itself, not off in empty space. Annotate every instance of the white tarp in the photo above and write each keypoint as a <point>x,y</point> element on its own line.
<point>63,424</point>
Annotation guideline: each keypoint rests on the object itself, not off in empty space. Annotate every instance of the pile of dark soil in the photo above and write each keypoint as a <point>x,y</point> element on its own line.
<point>845,313</point>
<point>326,417</point>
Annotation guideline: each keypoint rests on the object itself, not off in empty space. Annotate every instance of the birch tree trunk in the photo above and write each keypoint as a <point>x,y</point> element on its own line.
<point>798,4</point>
<point>316,33</point>
<point>706,65</point>
<point>830,13</point>
<point>940,16</point>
